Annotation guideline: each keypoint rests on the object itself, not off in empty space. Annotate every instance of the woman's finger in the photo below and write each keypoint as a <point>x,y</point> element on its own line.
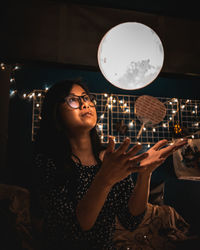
<point>111,145</point>
<point>172,148</point>
<point>160,144</point>
<point>138,158</point>
<point>123,147</point>
<point>134,150</point>
<point>180,143</point>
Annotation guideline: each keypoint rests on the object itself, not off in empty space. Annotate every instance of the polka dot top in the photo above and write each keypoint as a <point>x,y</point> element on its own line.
<point>58,205</point>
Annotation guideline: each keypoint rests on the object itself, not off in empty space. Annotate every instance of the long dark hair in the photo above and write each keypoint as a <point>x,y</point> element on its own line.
<point>51,139</point>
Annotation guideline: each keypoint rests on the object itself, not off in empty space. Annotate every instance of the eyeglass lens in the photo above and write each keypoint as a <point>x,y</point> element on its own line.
<point>74,102</point>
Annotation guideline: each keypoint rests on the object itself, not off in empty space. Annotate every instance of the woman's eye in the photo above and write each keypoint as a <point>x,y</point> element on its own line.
<point>86,98</point>
<point>73,99</point>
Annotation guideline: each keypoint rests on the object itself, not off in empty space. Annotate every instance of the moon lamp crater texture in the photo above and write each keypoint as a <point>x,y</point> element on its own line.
<point>130,55</point>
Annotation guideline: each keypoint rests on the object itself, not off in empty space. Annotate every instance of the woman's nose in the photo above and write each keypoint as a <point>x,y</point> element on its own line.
<point>84,105</point>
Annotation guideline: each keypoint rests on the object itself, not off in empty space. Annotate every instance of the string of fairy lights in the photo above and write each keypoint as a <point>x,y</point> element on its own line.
<point>172,116</point>
<point>116,115</point>
<point>106,106</point>
<point>12,68</point>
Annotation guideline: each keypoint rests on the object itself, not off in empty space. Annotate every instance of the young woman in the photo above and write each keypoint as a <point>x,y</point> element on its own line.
<point>82,186</point>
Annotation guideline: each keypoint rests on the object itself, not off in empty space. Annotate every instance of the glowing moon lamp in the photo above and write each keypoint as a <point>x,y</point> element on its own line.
<point>130,55</point>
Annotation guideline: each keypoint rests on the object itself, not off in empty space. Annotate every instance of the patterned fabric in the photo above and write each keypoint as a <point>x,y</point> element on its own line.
<point>61,223</point>
<point>162,228</point>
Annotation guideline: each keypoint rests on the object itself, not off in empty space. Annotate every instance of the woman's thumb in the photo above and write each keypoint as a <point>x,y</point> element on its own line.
<point>111,145</point>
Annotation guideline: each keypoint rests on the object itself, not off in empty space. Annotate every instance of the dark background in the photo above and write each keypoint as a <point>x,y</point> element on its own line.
<point>179,78</point>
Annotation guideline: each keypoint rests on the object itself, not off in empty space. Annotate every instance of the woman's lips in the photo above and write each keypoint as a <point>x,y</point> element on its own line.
<point>87,114</point>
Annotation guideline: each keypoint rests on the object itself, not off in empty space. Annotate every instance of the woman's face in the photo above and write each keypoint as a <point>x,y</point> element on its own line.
<point>80,119</point>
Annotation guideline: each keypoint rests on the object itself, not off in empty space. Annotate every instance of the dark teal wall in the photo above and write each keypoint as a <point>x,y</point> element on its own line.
<point>36,76</point>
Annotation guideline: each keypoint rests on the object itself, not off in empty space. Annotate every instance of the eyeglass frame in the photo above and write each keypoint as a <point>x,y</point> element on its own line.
<point>81,100</point>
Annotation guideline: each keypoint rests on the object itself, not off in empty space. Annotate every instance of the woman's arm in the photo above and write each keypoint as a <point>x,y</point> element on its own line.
<point>124,191</point>
<point>140,196</point>
<point>90,206</point>
<point>59,205</point>
<point>114,169</point>
<point>156,156</point>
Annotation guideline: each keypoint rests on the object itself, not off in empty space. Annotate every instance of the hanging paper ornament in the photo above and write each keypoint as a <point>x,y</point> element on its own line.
<point>121,127</point>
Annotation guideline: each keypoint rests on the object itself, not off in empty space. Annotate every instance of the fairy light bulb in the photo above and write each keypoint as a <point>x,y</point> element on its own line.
<point>16,67</point>
<point>12,92</point>
<point>3,66</point>
<point>131,124</point>
<point>100,126</point>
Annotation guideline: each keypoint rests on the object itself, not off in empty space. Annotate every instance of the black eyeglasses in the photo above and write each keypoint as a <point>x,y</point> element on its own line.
<point>75,101</point>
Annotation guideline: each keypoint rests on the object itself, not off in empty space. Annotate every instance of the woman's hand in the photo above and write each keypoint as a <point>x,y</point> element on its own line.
<point>157,155</point>
<point>118,164</point>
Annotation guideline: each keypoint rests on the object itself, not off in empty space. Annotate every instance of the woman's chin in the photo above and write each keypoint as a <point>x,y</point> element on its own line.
<point>89,122</point>
<point>87,125</point>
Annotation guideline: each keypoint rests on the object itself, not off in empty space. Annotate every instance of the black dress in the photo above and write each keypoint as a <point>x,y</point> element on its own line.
<point>61,225</point>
